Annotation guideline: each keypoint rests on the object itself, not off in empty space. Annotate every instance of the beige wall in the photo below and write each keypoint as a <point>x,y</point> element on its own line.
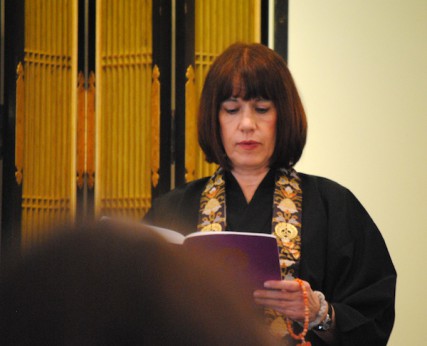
<point>361,68</point>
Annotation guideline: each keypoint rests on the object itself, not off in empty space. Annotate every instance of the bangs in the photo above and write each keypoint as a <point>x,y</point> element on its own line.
<point>247,83</point>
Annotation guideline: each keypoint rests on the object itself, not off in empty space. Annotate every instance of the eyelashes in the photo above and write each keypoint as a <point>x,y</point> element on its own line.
<point>259,110</point>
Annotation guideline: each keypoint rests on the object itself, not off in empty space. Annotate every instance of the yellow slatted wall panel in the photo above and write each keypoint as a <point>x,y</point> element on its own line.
<point>123,65</point>
<point>50,64</point>
<point>219,23</point>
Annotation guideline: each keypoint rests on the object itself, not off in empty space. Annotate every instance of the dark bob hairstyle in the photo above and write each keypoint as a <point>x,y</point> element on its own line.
<point>250,71</point>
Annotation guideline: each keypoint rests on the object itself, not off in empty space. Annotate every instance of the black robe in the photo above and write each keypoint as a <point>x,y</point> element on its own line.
<point>343,253</point>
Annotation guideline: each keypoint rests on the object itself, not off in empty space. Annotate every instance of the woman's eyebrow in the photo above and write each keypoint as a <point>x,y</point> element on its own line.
<point>231,98</point>
<point>260,98</point>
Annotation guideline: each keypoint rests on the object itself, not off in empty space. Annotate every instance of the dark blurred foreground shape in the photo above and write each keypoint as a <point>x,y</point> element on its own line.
<point>107,286</point>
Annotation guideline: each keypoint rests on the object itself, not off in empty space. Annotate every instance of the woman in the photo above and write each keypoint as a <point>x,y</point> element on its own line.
<point>252,123</point>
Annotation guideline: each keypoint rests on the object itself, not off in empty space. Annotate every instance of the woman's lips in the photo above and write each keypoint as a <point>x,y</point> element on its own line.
<point>248,145</point>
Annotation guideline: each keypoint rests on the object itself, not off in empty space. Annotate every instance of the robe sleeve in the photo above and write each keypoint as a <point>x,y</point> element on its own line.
<point>360,278</point>
<point>178,209</point>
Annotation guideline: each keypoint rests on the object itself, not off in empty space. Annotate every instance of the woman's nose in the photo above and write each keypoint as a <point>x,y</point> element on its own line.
<point>247,121</point>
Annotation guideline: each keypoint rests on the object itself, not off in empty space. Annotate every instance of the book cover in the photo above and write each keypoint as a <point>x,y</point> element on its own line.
<point>254,257</point>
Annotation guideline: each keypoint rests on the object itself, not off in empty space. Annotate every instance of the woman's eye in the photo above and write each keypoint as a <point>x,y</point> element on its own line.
<point>231,110</point>
<point>262,110</point>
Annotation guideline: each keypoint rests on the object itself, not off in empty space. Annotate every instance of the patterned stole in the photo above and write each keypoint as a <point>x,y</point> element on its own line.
<point>286,225</point>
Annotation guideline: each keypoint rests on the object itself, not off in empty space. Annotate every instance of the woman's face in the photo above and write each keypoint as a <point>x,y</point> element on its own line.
<point>248,132</point>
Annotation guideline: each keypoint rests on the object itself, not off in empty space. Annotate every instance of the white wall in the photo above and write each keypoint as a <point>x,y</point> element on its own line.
<point>361,69</point>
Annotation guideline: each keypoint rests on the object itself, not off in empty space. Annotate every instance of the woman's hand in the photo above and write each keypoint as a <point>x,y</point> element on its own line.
<point>286,297</point>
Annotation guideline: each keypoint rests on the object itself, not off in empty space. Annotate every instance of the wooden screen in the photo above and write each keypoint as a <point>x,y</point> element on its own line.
<point>123,106</point>
<point>45,119</point>
<point>218,23</point>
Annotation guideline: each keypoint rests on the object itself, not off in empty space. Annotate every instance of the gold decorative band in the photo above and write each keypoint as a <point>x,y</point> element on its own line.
<point>190,125</point>
<point>86,131</point>
<point>155,126</point>
<point>90,131</point>
<point>129,59</point>
<point>19,126</point>
<point>80,130</point>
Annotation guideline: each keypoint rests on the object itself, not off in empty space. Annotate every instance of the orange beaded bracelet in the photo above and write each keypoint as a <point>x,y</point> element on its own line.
<point>302,335</point>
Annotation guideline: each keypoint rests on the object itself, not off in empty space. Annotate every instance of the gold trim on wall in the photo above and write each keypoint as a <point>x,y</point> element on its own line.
<point>81,129</point>
<point>86,131</point>
<point>190,125</point>
<point>90,132</point>
<point>19,126</point>
<point>155,127</point>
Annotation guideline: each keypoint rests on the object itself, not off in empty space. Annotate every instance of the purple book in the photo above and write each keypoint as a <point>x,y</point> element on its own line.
<point>253,257</point>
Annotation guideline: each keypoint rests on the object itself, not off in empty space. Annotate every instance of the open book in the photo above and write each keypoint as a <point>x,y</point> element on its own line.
<point>254,256</point>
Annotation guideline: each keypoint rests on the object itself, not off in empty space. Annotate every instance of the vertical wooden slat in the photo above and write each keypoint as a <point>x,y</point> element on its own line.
<point>55,109</point>
<point>19,132</point>
<point>208,28</point>
<point>120,105</point>
<point>58,109</point>
<point>61,165</point>
<point>48,213</point>
<point>109,81</point>
<point>71,208</point>
<point>239,28</point>
<point>26,217</point>
<point>249,18</point>
<point>128,192</point>
<point>35,110</point>
<point>90,159</point>
<point>148,60</point>
<point>99,145</point>
<point>106,113</point>
<point>43,138</point>
<point>114,83</point>
<point>139,33</point>
<point>50,60</point>
<point>128,148</point>
<point>233,14</point>
<point>190,125</point>
<point>139,87</point>
<point>119,120</point>
<point>80,131</point>
<point>48,103</point>
<point>155,127</point>
<point>124,71</point>
<point>123,179</point>
<point>40,138</point>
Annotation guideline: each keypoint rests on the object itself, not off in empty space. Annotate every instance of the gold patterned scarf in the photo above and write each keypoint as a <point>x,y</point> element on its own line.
<point>286,224</point>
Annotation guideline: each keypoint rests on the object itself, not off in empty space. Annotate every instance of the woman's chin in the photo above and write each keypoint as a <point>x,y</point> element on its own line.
<point>250,167</point>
